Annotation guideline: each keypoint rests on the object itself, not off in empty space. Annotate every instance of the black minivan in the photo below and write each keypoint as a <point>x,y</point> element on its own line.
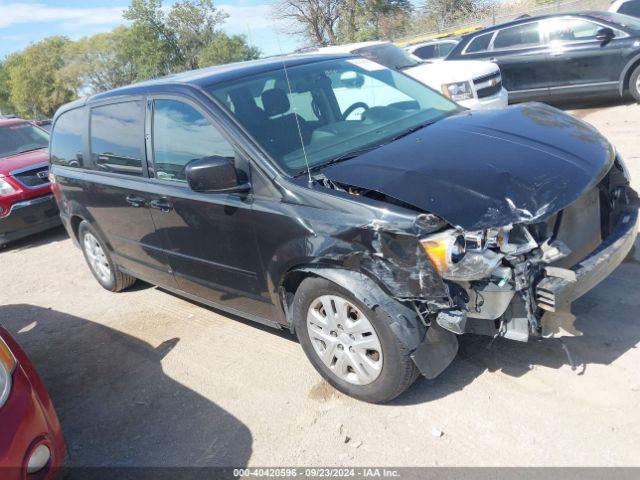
<point>345,202</point>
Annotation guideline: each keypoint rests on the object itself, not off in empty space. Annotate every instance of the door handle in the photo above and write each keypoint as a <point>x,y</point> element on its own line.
<point>493,59</point>
<point>135,200</point>
<point>161,204</point>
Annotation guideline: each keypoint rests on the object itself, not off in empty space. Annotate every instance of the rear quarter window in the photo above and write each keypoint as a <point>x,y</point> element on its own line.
<point>117,138</point>
<point>479,43</point>
<point>519,36</point>
<point>67,139</point>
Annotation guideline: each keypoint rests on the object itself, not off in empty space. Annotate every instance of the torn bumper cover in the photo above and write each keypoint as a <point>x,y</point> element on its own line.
<point>556,294</point>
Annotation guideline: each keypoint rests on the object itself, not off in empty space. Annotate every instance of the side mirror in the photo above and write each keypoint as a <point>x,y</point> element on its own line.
<point>605,34</point>
<point>214,175</point>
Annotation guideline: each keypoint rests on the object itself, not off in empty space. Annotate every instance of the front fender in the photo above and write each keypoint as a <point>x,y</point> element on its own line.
<point>404,321</point>
<point>432,348</point>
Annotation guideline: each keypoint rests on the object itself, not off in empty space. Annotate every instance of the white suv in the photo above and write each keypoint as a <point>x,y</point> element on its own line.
<point>472,84</point>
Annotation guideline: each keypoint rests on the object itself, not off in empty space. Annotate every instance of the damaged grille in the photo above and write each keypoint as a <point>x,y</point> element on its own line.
<point>582,227</point>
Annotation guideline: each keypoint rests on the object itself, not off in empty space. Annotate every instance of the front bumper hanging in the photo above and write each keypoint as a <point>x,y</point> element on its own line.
<point>556,293</point>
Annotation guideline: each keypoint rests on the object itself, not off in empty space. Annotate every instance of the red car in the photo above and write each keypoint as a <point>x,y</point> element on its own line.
<point>31,441</point>
<point>26,203</point>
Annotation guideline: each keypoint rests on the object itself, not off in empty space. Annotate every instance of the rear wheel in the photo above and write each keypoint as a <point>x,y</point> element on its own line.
<point>350,345</point>
<point>634,84</point>
<point>97,256</point>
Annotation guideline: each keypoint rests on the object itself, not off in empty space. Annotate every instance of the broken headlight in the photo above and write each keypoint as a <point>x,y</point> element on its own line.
<point>458,256</point>
<point>444,249</point>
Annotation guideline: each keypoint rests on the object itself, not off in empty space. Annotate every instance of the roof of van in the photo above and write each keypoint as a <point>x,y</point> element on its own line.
<point>213,75</point>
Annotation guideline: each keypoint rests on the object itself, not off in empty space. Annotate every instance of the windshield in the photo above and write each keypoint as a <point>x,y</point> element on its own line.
<point>334,106</point>
<point>388,55</point>
<point>630,23</point>
<point>21,137</point>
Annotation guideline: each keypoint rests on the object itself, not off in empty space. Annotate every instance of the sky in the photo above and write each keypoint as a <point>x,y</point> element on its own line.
<point>27,21</point>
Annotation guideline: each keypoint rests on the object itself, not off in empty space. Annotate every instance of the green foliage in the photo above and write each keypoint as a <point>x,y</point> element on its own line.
<point>37,88</point>
<point>36,81</point>
<point>5,90</point>
<point>227,49</point>
<point>189,34</point>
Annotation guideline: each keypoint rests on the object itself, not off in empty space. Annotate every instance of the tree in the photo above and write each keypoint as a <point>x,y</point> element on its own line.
<point>100,62</point>
<point>37,88</point>
<point>189,33</point>
<point>227,49</point>
<point>444,13</point>
<point>329,22</point>
<point>316,20</point>
<point>5,90</point>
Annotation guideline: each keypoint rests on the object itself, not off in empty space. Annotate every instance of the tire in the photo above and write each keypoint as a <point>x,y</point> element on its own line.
<point>383,370</point>
<point>634,84</point>
<point>99,260</point>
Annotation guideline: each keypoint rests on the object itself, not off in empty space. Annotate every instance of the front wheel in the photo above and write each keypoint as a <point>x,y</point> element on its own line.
<point>97,256</point>
<point>350,345</point>
<point>634,84</point>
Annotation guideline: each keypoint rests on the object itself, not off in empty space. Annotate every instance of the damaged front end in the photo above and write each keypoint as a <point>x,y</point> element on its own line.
<point>516,281</point>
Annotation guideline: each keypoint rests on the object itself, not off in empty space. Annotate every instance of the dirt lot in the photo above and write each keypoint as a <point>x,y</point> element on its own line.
<point>146,378</point>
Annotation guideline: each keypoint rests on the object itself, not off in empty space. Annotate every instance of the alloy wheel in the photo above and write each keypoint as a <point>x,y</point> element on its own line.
<point>97,259</point>
<point>344,339</point>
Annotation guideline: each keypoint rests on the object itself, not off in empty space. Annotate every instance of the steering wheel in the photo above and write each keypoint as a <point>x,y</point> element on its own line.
<point>354,107</point>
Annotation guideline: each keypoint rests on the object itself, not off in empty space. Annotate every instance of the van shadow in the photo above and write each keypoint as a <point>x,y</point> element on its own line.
<point>56,234</point>
<point>117,406</point>
<point>607,316</point>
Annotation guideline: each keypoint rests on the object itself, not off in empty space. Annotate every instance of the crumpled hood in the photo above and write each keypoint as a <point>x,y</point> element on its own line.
<point>438,73</point>
<point>481,169</point>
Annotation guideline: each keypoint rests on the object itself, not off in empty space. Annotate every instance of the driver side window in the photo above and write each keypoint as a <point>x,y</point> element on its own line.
<point>182,134</point>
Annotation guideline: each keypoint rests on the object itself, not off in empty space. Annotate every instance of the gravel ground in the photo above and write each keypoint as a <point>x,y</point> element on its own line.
<point>146,378</point>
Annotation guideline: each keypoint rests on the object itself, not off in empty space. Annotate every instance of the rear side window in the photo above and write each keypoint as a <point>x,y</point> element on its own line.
<point>426,52</point>
<point>630,8</point>
<point>117,138</point>
<point>479,43</point>
<point>572,30</point>
<point>66,139</point>
<point>526,35</point>
<point>182,134</point>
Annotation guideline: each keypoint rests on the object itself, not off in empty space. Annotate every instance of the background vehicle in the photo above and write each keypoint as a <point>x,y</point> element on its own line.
<point>474,85</point>
<point>26,203</point>
<point>562,56</point>
<point>31,441</point>
<point>626,7</point>
<point>375,239</point>
<point>433,49</point>
<point>43,124</point>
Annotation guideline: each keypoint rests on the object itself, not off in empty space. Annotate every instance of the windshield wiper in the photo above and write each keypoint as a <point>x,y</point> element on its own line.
<point>340,158</point>
<point>412,130</point>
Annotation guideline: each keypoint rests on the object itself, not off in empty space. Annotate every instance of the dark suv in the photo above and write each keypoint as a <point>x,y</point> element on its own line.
<point>377,239</point>
<point>561,56</point>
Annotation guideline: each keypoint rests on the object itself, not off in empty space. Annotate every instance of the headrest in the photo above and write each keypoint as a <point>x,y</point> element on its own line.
<point>275,102</point>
